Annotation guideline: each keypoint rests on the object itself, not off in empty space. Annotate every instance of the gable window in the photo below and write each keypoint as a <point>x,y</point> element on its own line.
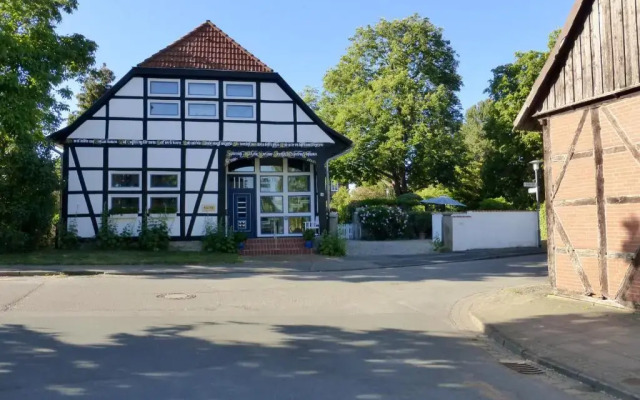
<point>163,205</point>
<point>163,180</point>
<point>202,109</point>
<point>202,89</point>
<point>164,108</point>
<point>243,166</point>
<point>240,111</point>
<point>125,180</point>
<point>240,90</point>
<point>164,88</point>
<point>124,205</point>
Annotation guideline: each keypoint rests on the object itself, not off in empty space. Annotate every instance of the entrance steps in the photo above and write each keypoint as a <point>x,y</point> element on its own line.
<point>273,246</point>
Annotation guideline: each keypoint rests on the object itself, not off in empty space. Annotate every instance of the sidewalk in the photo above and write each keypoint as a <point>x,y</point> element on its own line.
<point>594,343</point>
<point>271,264</point>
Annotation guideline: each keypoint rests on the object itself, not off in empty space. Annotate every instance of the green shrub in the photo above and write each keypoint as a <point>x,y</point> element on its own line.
<point>438,246</point>
<point>108,237</point>
<point>332,245</point>
<point>309,234</point>
<point>383,222</point>
<point>419,222</point>
<point>153,234</point>
<point>239,237</point>
<point>340,202</point>
<point>380,201</point>
<point>408,201</point>
<point>497,203</point>
<point>68,236</point>
<point>217,240</point>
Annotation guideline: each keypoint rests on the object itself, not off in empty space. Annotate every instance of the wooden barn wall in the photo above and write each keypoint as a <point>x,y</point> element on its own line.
<point>604,57</point>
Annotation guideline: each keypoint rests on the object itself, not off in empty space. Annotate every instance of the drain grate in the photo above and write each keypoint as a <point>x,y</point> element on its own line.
<point>176,296</point>
<point>523,368</point>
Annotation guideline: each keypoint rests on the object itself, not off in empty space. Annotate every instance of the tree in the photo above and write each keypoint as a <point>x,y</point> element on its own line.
<point>506,165</point>
<point>35,61</point>
<point>394,94</point>
<point>94,85</point>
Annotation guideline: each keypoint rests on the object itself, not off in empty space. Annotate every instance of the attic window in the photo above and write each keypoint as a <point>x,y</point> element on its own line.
<point>164,88</point>
<point>164,108</point>
<point>202,89</point>
<point>239,90</point>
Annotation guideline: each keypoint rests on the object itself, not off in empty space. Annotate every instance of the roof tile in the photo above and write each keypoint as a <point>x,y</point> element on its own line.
<point>206,47</point>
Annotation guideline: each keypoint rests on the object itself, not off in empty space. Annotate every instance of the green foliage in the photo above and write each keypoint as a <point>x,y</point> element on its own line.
<point>419,222</point>
<point>217,240</point>
<point>27,202</point>
<point>543,221</point>
<point>340,202</point>
<point>438,246</point>
<point>383,222</point>
<point>240,237</point>
<point>394,94</point>
<point>153,234</point>
<point>332,245</point>
<point>379,201</point>
<point>108,237</point>
<point>407,201</point>
<point>498,203</point>
<point>68,236</point>
<point>94,85</point>
<point>364,192</point>
<point>309,234</point>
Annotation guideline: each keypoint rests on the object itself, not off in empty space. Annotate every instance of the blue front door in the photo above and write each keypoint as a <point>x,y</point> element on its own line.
<point>242,203</point>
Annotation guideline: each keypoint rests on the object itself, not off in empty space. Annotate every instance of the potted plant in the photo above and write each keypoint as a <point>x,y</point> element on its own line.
<point>240,238</point>
<point>308,235</point>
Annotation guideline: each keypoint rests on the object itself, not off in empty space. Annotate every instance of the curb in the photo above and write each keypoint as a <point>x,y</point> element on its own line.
<point>92,272</point>
<point>505,341</point>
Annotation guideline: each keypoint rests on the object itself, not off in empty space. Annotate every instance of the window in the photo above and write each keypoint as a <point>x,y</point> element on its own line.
<point>271,204</point>
<point>301,183</point>
<point>163,205</point>
<point>271,184</point>
<point>202,110</point>
<point>163,180</point>
<point>296,224</point>
<point>243,166</point>
<point>164,88</point>
<point>240,111</point>
<point>165,108</point>
<point>239,90</point>
<point>125,205</point>
<point>202,89</point>
<point>272,225</point>
<point>125,180</point>
<point>298,165</point>
<point>271,165</point>
<point>299,204</point>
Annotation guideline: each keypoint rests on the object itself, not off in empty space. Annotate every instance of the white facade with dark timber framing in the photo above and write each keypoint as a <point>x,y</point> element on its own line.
<point>201,132</point>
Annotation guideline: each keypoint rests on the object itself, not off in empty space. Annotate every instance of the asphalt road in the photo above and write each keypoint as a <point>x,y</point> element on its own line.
<point>378,334</point>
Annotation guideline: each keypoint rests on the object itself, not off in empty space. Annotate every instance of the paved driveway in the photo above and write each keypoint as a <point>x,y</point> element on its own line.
<point>378,334</point>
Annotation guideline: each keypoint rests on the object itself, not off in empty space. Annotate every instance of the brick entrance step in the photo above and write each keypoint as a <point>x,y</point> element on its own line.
<point>272,246</point>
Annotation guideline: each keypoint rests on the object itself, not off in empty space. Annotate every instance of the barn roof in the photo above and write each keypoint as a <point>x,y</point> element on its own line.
<point>206,47</point>
<point>554,64</point>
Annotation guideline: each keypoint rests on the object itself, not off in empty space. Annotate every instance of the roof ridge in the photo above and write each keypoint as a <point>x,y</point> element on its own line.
<point>216,55</point>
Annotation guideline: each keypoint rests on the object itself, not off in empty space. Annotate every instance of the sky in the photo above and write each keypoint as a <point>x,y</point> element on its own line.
<point>302,39</point>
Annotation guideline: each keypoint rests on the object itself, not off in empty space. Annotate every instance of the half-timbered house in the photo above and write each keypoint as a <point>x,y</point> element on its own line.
<point>201,132</point>
<point>586,102</point>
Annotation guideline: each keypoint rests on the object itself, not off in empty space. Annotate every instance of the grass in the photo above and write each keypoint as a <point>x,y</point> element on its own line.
<point>116,257</point>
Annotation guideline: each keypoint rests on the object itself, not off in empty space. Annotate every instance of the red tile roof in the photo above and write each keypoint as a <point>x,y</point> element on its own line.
<point>206,47</point>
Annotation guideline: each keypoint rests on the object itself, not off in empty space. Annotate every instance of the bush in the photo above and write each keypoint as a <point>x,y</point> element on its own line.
<point>240,237</point>
<point>408,201</point>
<point>419,222</point>
<point>309,234</point>
<point>68,236</point>
<point>370,192</point>
<point>434,191</point>
<point>497,203</point>
<point>383,222</point>
<point>108,237</point>
<point>340,202</point>
<point>217,240</point>
<point>380,201</point>
<point>332,245</point>
<point>153,235</point>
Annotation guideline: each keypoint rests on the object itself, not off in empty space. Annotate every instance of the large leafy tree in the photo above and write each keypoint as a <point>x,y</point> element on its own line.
<point>35,61</point>
<point>394,94</point>
<point>94,85</point>
<point>506,165</point>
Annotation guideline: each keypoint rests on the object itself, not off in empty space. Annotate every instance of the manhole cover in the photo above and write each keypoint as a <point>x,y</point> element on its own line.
<point>176,296</point>
<point>523,368</point>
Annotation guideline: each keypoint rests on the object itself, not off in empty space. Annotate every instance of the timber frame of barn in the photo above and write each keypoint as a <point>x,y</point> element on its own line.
<point>586,101</point>
<point>199,133</point>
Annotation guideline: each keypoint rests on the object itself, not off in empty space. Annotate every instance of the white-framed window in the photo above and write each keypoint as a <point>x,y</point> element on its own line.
<point>240,111</point>
<point>285,193</point>
<point>164,108</point>
<point>202,109</point>
<point>163,204</point>
<point>239,90</point>
<point>200,88</point>
<point>124,180</point>
<point>164,180</point>
<point>124,204</point>
<point>164,87</point>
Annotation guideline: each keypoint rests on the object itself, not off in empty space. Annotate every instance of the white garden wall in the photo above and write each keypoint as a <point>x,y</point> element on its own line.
<point>494,230</point>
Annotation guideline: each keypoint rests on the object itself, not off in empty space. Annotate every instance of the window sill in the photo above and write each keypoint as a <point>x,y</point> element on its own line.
<point>124,216</point>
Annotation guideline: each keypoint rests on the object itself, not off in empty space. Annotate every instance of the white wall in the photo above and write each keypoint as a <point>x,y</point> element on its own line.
<point>163,130</point>
<point>436,226</point>
<point>241,132</point>
<point>312,134</point>
<point>90,129</point>
<point>494,230</point>
<point>277,112</point>
<point>276,133</point>
<point>127,130</point>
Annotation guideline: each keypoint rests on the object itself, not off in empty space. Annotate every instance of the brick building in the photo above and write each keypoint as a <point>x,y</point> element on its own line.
<point>586,102</point>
